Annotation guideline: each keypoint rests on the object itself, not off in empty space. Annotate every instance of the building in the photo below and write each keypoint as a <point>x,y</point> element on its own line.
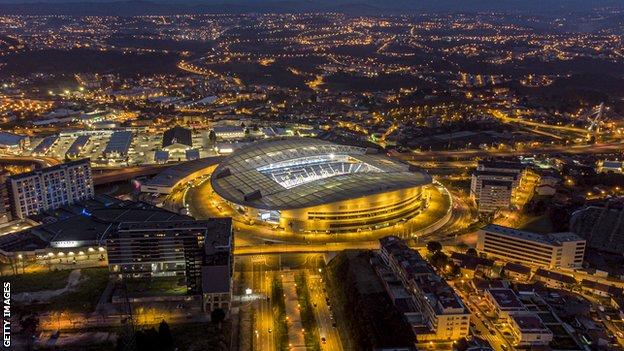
<point>200,252</point>
<point>493,184</point>
<point>504,302</point>
<point>440,313</point>
<point>554,279</point>
<point>529,330</point>
<point>600,289</point>
<point>469,265</point>
<point>556,250</point>
<point>610,166</point>
<point>314,186</point>
<point>177,138</point>
<point>229,132</point>
<point>13,142</point>
<point>164,183</point>
<point>118,145</point>
<point>50,188</point>
<point>517,271</point>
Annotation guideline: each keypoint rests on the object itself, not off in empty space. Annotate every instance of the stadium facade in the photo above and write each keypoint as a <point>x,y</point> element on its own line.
<point>314,186</point>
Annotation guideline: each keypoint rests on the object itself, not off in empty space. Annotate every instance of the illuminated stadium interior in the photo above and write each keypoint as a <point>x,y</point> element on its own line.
<point>295,172</point>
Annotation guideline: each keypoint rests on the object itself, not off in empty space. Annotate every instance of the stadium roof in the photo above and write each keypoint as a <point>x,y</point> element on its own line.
<point>301,172</point>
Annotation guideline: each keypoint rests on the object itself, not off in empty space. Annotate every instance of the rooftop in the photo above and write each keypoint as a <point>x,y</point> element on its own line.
<point>553,239</point>
<point>506,299</point>
<point>303,172</point>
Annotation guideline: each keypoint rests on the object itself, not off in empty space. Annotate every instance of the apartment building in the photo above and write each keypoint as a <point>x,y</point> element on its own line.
<point>493,184</point>
<point>50,188</point>
<point>440,314</point>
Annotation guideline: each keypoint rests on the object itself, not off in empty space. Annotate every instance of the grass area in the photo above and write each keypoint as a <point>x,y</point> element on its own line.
<point>86,295</point>
<point>308,320</point>
<point>279,314</point>
<point>165,286</point>
<point>201,336</point>
<point>541,224</point>
<point>31,282</point>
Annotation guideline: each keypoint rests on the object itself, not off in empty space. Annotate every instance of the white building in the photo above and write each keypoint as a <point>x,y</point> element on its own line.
<point>50,188</point>
<point>556,250</point>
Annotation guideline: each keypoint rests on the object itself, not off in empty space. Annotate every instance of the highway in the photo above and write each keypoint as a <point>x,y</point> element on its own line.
<point>478,153</point>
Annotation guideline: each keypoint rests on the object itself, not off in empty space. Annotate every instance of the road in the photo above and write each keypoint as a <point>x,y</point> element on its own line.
<point>264,325</point>
<point>324,316</point>
<point>483,325</point>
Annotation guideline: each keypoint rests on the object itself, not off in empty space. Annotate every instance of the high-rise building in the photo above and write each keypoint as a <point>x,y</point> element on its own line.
<point>441,314</point>
<point>50,188</point>
<point>555,250</point>
<point>493,184</point>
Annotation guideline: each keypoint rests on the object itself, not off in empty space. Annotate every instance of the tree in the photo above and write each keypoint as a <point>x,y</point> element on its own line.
<point>434,246</point>
<point>439,259</point>
<point>217,316</point>
<point>472,252</point>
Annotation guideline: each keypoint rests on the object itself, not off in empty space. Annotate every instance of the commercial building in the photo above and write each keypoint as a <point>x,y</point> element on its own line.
<point>50,188</point>
<point>177,138</point>
<point>556,250</point>
<point>118,145</point>
<point>493,184</point>
<point>13,142</point>
<point>314,186</point>
<point>200,252</point>
<point>439,314</point>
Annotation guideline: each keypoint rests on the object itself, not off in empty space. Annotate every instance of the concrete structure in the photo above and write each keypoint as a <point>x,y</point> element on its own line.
<point>493,184</point>
<point>50,188</point>
<point>314,186</point>
<point>440,313</point>
<point>557,250</point>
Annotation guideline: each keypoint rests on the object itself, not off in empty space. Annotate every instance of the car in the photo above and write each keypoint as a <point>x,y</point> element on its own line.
<point>334,325</point>
<point>270,330</point>
<point>504,347</point>
<point>314,304</point>
<point>323,340</point>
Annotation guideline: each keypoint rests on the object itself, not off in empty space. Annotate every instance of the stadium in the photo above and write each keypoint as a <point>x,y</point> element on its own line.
<point>314,186</point>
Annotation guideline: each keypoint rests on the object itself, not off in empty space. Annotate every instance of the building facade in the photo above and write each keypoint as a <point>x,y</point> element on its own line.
<point>50,188</point>
<point>200,252</point>
<point>556,250</point>
<point>493,185</point>
<point>442,314</point>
